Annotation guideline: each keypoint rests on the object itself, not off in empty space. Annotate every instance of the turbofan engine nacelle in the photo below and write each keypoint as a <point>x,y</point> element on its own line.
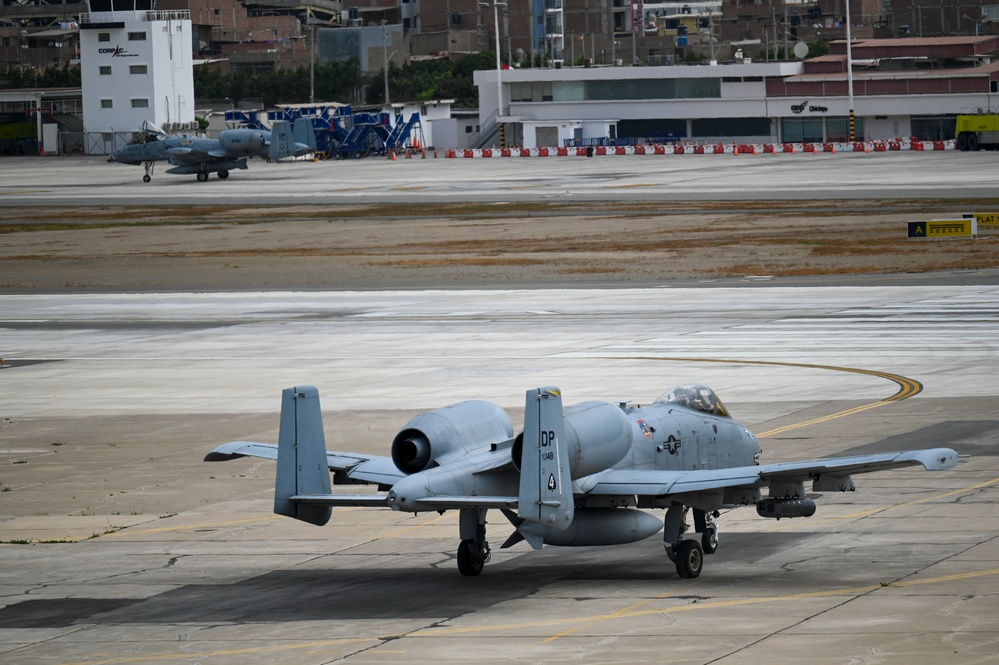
<point>778,508</point>
<point>242,141</point>
<point>600,526</point>
<point>461,428</point>
<point>599,436</point>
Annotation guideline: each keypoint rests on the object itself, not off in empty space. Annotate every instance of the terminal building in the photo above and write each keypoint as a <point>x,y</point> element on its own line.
<point>911,87</point>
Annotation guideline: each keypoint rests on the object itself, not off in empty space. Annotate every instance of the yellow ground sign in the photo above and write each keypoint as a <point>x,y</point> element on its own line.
<point>944,228</point>
<point>987,219</point>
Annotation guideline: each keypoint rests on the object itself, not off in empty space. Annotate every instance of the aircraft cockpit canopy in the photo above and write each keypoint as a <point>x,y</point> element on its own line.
<point>695,396</point>
<point>143,137</point>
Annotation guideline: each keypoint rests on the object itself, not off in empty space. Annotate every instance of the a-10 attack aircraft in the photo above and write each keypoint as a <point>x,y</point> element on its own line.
<point>226,153</point>
<point>575,476</point>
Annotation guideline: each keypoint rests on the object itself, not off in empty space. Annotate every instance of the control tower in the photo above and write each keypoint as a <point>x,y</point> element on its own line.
<point>136,66</point>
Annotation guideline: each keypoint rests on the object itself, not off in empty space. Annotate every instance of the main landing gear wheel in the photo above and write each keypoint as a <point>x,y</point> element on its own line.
<point>471,558</point>
<point>689,559</point>
<point>146,178</point>
<point>223,175</point>
<point>202,176</point>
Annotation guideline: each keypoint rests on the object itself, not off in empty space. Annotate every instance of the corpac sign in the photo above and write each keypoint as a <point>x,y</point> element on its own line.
<point>116,52</point>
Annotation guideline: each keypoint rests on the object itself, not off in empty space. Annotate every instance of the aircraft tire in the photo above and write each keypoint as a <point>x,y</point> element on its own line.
<point>709,540</point>
<point>202,176</point>
<point>470,562</point>
<point>223,174</point>
<point>689,559</point>
<point>146,178</point>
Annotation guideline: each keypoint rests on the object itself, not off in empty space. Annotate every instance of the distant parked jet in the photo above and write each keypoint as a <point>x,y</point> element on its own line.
<point>229,151</point>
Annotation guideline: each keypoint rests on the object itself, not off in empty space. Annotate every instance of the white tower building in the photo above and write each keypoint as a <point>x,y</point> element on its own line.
<point>136,66</point>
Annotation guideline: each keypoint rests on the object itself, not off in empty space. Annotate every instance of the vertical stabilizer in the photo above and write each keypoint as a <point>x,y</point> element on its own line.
<point>282,142</point>
<point>304,133</point>
<point>545,485</point>
<point>301,462</point>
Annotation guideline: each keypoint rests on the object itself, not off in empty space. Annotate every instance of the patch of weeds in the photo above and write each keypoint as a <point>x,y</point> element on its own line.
<point>109,530</point>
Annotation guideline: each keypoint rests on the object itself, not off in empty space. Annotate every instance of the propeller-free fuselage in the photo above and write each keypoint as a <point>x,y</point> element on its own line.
<point>576,476</point>
<point>228,152</point>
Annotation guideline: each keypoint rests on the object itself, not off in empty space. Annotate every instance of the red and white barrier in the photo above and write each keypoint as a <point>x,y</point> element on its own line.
<point>891,145</point>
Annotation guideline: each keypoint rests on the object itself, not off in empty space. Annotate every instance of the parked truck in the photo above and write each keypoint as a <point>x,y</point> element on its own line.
<point>975,132</point>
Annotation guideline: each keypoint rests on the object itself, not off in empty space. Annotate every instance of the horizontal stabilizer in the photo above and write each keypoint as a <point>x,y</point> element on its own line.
<point>237,449</point>
<point>452,502</point>
<point>365,500</point>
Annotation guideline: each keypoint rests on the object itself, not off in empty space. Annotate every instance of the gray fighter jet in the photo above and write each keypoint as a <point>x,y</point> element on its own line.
<point>583,475</point>
<point>226,153</point>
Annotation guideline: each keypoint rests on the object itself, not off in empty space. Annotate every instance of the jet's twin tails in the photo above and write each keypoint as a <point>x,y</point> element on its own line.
<point>587,474</point>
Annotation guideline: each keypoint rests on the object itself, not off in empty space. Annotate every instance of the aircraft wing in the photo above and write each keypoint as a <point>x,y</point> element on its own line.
<point>359,468</point>
<point>650,482</point>
<point>187,155</point>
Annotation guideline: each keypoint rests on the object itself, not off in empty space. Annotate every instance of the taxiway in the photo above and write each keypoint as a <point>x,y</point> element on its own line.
<point>122,546</point>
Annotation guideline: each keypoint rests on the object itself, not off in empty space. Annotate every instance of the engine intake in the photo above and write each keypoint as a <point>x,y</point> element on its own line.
<point>458,429</point>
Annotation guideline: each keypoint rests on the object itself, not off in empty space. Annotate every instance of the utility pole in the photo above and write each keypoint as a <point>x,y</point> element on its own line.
<point>849,71</point>
<point>499,67</point>
<point>385,64</point>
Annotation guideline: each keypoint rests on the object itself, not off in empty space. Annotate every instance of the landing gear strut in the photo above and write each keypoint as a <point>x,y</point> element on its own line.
<point>473,552</point>
<point>688,555</point>
<point>149,171</point>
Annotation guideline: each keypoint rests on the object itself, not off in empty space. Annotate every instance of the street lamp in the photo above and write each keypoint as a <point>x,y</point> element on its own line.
<point>385,70</point>
<point>499,68</point>
<point>312,63</point>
